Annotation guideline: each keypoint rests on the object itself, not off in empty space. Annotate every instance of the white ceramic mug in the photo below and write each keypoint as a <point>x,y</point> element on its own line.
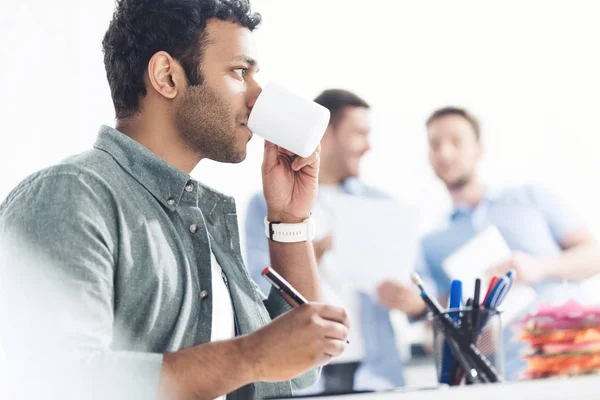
<point>288,120</point>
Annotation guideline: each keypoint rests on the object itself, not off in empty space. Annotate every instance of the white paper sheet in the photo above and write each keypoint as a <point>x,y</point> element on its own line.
<point>472,261</point>
<point>373,240</point>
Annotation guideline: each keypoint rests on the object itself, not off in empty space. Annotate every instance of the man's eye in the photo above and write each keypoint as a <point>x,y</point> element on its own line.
<point>241,72</point>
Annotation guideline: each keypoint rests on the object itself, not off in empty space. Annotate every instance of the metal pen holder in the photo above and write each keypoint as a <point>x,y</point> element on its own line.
<point>488,341</point>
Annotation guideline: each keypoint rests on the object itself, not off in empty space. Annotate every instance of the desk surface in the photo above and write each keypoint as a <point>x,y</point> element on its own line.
<point>580,388</point>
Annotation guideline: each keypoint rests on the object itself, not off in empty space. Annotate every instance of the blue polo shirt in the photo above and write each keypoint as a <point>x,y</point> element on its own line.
<point>531,219</point>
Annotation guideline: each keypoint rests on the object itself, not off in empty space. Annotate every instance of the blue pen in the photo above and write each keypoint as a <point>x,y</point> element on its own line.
<point>455,300</point>
<point>448,362</point>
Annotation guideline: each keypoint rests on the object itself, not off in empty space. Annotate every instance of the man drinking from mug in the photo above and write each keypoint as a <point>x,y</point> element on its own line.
<point>122,275</point>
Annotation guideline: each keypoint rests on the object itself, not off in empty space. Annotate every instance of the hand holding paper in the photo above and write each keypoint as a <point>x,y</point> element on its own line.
<point>400,296</point>
<point>476,258</point>
<point>529,269</point>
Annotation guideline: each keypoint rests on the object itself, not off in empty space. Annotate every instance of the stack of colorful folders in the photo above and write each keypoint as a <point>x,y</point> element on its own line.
<point>563,340</point>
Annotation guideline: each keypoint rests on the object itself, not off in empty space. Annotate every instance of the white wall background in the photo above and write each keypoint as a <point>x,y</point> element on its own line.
<point>528,69</point>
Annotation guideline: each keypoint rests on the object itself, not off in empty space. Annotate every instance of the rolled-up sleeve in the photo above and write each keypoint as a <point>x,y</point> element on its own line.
<point>560,219</point>
<point>58,246</point>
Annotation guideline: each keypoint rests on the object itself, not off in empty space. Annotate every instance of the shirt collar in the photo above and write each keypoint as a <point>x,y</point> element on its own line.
<point>352,186</point>
<point>491,195</point>
<point>160,178</point>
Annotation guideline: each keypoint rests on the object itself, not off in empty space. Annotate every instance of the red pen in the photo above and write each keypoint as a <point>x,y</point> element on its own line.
<point>493,282</point>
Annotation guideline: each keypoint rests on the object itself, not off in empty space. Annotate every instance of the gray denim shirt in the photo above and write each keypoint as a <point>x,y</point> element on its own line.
<point>109,254</point>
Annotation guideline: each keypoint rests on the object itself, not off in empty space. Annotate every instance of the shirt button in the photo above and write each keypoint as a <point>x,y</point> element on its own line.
<point>171,201</point>
<point>189,187</point>
<point>193,228</point>
<point>203,294</point>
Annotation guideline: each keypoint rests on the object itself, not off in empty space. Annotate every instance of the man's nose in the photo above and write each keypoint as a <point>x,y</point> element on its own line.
<point>253,92</point>
<point>446,152</point>
<point>367,146</point>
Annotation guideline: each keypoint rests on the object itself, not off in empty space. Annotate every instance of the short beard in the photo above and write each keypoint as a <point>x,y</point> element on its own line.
<point>204,124</point>
<point>460,183</point>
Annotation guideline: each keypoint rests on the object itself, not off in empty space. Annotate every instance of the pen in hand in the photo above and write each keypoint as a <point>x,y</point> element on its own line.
<point>284,288</point>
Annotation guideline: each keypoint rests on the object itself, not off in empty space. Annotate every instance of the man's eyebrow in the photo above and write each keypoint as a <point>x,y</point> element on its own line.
<point>248,60</point>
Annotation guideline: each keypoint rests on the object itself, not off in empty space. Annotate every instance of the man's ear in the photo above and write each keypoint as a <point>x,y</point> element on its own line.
<point>329,132</point>
<point>166,75</point>
<point>480,150</point>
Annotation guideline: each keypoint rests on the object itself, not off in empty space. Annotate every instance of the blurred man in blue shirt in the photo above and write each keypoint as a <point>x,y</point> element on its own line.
<point>371,361</point>
<point>550,246</point>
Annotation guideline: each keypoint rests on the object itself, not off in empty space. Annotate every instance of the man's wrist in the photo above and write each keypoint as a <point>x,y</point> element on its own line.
<point>419,311</point>
<point>249,356</point>
<point>550,268</point>
<point>286,218</point>
<point>179,369</point>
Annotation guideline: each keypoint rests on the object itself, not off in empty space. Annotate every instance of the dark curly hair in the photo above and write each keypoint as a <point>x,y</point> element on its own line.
<point>140,28</point>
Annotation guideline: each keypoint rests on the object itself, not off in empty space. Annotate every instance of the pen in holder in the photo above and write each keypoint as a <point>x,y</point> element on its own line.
<point>487,339</point>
